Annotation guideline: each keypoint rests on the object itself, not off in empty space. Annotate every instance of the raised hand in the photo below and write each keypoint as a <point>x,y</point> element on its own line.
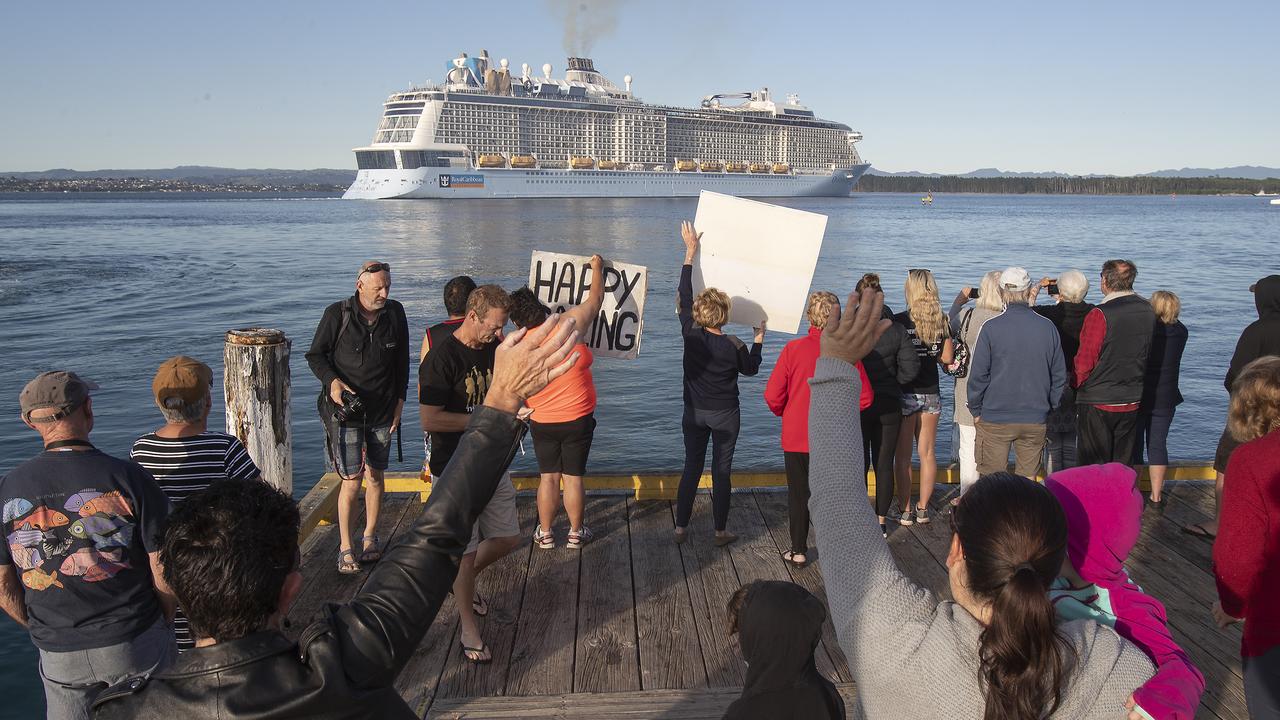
<point>692,238</point>
<point>526,362</point>
<point>850,335</point>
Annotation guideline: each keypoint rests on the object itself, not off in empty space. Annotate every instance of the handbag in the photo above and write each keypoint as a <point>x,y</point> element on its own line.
<point>959,366</point>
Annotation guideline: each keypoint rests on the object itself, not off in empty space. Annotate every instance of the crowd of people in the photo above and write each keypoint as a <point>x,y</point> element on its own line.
<point>160,584</point>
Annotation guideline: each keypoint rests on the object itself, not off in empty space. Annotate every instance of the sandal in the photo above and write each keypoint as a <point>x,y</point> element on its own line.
<point>1198,530</point>
<point>790,556</point>
<point>481,651</point>
<point>479,606</point>
<point>347,564</point>
<point>370,555</point>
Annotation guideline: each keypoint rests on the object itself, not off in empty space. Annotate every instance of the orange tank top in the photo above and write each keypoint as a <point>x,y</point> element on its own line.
<point>568,397</point>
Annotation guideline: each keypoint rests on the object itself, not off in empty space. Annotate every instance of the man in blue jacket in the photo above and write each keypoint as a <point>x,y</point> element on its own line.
<point>1017,374</point>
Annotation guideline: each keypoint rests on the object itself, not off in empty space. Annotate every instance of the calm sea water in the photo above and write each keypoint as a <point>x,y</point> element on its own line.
<point>111,285</point>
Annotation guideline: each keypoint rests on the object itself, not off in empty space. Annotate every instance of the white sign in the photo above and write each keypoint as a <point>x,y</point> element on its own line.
<point>762,255</point>
<point>563,281</point>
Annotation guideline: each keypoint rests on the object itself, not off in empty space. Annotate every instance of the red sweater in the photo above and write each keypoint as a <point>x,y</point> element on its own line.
<point>787,392</point>
<point>1248,544</point>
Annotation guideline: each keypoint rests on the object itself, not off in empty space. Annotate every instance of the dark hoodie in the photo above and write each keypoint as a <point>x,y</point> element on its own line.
<point>779,626</point>
<point>1262,337</point>
<point>892,363</point>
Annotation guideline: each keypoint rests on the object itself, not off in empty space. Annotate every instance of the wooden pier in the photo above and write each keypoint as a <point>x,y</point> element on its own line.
<point>633,626</point>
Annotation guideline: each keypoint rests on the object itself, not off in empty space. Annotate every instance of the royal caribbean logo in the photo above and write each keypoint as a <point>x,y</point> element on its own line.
<point>461,181</point>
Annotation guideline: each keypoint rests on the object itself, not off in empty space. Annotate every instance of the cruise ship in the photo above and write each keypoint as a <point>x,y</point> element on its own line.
<point>487,133</point>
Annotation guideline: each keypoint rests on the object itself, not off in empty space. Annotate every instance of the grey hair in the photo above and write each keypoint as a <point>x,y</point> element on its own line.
<point>177,411</point>
<point>1015,297</point>
<point>989,295</point>
<point>1073,286</point>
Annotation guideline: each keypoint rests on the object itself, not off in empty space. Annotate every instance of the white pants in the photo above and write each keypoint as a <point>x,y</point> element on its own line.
<point>968,461</point>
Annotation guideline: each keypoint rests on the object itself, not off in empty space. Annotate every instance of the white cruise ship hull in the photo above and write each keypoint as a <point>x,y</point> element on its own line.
<point>441,182</point>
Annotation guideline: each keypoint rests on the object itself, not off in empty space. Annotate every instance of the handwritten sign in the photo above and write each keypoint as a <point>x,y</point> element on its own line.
<point>564,281</point>
<point>762,255</point>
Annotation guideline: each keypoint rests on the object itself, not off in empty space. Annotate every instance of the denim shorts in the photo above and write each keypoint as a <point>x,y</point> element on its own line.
<point>356,445</point>
<point>913,403</point>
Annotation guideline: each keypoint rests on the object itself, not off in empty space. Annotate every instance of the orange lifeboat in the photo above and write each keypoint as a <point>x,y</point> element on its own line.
<point>712,166</point>
<point>492,160</point>
<point>736,167</point>
<point>781,168</point>
<point>759,167</point>
<point>582,162</point>
<point>608,165</point>
<point>686,165</point>
<point>523,161</point>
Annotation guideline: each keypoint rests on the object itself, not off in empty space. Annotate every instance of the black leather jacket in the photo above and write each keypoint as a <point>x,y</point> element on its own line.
<point>345,664</point>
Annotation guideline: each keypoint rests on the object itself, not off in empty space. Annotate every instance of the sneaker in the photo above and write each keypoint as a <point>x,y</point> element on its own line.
<point>579,537</point>
<point>922,515</point>
<point>906,518</point>
<point>545,540</point>
<point>884,530</point>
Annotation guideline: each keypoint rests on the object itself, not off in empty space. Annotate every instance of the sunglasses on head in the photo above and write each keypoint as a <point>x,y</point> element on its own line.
<point>376,268</point>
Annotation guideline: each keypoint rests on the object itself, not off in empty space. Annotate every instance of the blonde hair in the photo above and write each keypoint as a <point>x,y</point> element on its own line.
<point>1255,400</point>
<point>820,304</point>
<point>1167,306</point>
<point>870,280</point>
<point>924,307</point>
<point>989,297</point>
<point>711,308</point>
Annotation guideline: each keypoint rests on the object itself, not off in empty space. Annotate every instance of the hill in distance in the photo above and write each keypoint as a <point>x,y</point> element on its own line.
<point>203,174</point>
<point>1254,172</point>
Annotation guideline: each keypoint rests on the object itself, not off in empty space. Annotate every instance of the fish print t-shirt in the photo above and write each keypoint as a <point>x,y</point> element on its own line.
<point>78,526</point>
<point>455,377</point>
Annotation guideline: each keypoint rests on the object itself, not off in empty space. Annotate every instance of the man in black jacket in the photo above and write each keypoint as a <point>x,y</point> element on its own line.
<point>231,555</point>
<point>361,355</point>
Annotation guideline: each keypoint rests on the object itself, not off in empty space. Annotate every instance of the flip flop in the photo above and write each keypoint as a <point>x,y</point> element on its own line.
<point>479,606</point>
<point>790,556</point>
<point>482,650</point>
<point>1198,530</point>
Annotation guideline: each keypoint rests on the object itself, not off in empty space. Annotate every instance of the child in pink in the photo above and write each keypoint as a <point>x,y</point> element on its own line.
<point>1104,515</point>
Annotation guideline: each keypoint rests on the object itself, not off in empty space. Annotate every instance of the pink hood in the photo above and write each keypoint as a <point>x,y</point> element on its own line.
<point>1104,516</point>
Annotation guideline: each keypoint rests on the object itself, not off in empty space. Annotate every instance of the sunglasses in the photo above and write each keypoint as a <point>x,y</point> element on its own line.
<point>376,268</point>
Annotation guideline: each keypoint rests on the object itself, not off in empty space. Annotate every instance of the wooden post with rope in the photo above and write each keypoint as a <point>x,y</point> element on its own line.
<point>256,388</point>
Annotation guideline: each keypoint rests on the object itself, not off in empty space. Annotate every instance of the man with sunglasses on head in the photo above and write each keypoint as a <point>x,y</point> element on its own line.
<point>361,356</point>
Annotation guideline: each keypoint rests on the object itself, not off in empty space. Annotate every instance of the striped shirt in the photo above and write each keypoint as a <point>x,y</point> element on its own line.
<point>183,466</point>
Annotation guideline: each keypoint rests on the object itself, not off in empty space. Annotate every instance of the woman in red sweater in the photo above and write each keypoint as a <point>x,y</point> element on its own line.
<point>1246,554</point>
<point>787,395</point>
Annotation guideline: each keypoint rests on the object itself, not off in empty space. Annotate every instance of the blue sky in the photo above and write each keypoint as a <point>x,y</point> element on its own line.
<point>1118,87</point>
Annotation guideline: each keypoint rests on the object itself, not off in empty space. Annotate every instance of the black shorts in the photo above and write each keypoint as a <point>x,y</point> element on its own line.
<point>563,447</point>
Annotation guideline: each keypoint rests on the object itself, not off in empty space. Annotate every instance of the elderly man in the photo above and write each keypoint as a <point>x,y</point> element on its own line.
<point>455,378</point>
<point>185,456</point>
<point>81,566</point>
<point>1017,375</point>
<point>345,664</point>
<point>361,356</point>
<point>1111,368</point>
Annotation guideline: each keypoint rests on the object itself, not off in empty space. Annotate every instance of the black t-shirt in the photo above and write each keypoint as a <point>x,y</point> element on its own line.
<point>455,377</point>
<point>78,526</point>
<point>926,381</point>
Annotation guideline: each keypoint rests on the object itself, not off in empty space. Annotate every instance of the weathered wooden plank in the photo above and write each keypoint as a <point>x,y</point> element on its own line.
<point>1167,528</point>
<point>670,653</point>
<point>712,580</point>
<point>420,678</point>
<point>693,704</point>
<point>830,658</point>
<point>607,658</point>
<point>329,585</point>
<point>542,651</point>
<point>502,585</point>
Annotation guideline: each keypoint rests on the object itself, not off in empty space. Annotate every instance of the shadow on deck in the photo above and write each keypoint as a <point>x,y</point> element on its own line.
<point>633,625</point>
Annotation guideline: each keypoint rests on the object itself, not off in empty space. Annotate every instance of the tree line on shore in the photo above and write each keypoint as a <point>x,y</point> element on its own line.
<point>1068,185</point>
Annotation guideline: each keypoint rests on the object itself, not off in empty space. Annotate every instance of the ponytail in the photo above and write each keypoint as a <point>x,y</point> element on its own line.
<point>1014,536</point>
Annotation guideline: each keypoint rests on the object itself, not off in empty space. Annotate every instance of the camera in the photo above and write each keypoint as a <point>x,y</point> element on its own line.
<point>973,293</point>
<point>1053,288</point>
<point>352,407</point>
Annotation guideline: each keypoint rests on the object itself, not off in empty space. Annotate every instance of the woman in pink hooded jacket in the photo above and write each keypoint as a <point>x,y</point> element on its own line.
<point>1104,515</point>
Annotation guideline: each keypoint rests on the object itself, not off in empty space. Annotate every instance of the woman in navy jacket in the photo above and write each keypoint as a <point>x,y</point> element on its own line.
<point>1160,396</point>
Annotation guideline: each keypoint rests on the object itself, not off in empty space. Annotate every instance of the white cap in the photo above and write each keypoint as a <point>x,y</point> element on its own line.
<point>1015,279</point>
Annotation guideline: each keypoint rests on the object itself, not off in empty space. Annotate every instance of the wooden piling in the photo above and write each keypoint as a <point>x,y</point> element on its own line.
<point>256,389</point>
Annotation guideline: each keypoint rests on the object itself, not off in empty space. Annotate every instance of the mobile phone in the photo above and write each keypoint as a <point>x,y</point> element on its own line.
<point>973,293</point>
<point>1053,288</point>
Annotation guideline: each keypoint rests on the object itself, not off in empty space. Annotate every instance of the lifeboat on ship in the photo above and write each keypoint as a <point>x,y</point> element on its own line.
<point>759,167</point>
<point>523,161</point>
<point>608,165</point>
<point>686,165</point>
<point>712,166</point>
<point>736,167</point>
<point>492,160</point>
<point>781,168</point>
<point>582,162</point>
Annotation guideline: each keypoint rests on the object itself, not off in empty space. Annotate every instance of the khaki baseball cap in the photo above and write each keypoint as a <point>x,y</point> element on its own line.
<point>61,390</point>
<point>181,377</point>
